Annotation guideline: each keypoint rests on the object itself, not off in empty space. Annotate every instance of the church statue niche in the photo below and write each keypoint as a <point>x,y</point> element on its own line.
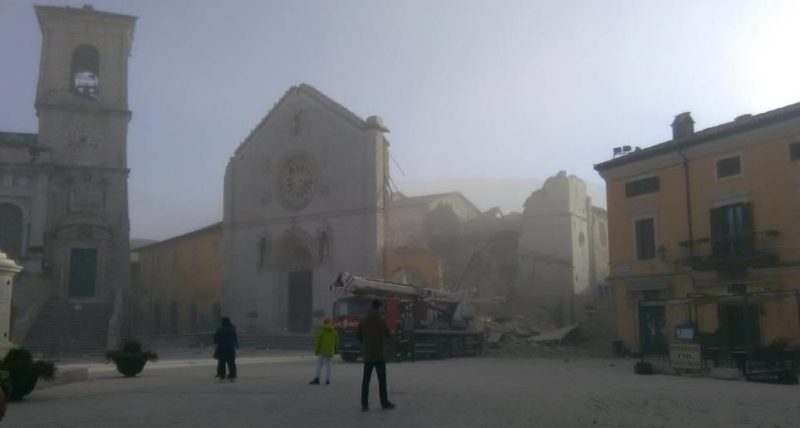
<point>264,251</point>
<point>296,121</point>
<point>85,72</point>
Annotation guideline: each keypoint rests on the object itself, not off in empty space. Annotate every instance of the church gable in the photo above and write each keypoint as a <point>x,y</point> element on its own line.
<point>293,161</point>
<point>297,111</point>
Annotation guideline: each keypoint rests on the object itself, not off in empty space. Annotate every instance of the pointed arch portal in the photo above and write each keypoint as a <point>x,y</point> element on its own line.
<point>299,267</point>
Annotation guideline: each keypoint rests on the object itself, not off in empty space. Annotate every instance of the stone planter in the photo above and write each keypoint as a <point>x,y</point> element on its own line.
<point>23,382</point>
<point>131,358</point>
<point>130,365</point>
<point>22,373</point>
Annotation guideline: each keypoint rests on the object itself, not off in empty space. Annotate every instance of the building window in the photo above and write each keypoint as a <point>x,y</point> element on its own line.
<point>11,230</point>
<point>85,72</point>
<point>193,321</point>
<point>732,228</point>
<point>794,151</point>
<point>157,318</point>
<point>729,167</point>
<point>642,186</point>
<point>645,239</point>
<point>82,272</point>
<point>173,317</point>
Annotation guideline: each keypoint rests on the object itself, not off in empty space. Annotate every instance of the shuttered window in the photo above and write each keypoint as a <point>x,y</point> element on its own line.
<point>732,229</point>
<point>645,239</point>
<point>729,167</point>
<point>794,151</point>
<point>642,186</point>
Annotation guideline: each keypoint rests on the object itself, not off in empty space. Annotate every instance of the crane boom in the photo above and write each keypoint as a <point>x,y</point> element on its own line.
<point>351,284</point>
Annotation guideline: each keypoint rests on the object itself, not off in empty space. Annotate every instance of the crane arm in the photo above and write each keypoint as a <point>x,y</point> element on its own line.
<point>350,284</point>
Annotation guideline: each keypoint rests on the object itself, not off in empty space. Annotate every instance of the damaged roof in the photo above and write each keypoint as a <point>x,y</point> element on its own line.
<point>403,200</point>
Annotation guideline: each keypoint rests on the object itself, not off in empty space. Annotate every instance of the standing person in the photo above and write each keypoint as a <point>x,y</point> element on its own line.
<point>325,347</point>
<point>227,343</point>
<point>372,333</point>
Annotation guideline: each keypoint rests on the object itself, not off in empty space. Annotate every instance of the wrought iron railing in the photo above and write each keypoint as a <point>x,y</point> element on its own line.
<point>740,248</point>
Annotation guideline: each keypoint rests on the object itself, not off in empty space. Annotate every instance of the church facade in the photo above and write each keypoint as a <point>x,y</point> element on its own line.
<point>63,191</point>
<point>305,198</point>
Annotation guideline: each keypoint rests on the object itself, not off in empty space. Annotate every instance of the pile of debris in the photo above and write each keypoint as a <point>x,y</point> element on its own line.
<point>523,337</point>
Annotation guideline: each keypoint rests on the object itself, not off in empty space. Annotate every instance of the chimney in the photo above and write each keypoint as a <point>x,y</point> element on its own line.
<point>682,126</point>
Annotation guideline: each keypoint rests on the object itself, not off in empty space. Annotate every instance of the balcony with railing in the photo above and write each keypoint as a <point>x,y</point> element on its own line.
<point>741,250</point>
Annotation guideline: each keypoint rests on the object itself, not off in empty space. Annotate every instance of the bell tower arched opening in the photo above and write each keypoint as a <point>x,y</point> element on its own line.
<point>85,72</point>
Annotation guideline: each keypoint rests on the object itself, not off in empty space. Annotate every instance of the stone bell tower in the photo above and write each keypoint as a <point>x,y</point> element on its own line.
<point>82,104</point>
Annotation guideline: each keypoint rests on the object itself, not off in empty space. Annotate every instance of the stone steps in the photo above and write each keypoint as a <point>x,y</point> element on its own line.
<point>70,329</point>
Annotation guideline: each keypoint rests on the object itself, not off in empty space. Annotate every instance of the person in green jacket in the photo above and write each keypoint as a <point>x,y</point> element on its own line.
<point>325,347</point>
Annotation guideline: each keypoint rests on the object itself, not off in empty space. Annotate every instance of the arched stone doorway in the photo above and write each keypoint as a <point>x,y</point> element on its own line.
<point>299,268</point>
<point>11,230</point>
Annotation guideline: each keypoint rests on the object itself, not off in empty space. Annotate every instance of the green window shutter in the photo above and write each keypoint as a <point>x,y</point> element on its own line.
<point>748,225</point>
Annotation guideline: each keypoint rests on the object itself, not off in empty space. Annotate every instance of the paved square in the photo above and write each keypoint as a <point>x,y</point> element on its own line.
<point>478,392</point>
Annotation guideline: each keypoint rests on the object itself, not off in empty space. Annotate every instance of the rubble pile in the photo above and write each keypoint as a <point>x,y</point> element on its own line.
<point>527,337</point>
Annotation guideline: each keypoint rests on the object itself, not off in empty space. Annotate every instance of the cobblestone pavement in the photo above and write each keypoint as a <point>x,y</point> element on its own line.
<point>273,392</point>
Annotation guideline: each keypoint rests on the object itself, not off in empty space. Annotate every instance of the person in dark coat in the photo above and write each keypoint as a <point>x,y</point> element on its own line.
<point>227,343</point>
<point>373,331</point>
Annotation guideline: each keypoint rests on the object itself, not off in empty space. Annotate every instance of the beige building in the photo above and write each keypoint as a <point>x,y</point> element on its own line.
<point>177,283</point>
<point>704,236</point>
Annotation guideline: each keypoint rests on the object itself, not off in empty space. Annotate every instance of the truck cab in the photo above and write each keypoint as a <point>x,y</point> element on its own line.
<point>424,323</point>
<point>348,312</point>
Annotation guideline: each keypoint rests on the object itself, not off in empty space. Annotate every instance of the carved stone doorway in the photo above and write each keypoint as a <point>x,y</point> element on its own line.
<point>82,273</point>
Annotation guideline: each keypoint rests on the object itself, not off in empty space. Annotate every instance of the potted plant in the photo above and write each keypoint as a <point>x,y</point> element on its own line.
<point>24,372</point>
<point>5,391</point>
<point>130,359</point>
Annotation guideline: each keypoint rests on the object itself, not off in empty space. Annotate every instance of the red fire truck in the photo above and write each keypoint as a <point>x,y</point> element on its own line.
<point>425,323</point>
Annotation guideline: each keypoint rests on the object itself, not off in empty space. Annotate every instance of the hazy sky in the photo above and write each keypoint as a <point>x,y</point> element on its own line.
<point>511,90</point>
